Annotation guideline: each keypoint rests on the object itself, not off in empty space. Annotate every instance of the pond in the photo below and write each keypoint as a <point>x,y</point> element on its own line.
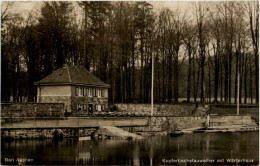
<point>196,148</point>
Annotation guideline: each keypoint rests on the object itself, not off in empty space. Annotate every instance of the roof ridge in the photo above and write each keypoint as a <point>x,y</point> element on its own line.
<point>77,75</point>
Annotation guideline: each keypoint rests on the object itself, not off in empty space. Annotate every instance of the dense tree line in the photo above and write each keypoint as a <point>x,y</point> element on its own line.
<point>198,54</point>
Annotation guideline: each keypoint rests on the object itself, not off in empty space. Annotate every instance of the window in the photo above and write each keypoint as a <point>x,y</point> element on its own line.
<point>81,91</point>
<point>77,91</point>
<point>99,108</point>
<point>90,92</point>
<point>103,107</point>
<point>102,93</point>
<point>99,93</point>
<point>90,108</point>
<point>94,92</point>
<point>96,107</point>
<point>85,107</point>
<point>79,107</point>
<point>85,92</point>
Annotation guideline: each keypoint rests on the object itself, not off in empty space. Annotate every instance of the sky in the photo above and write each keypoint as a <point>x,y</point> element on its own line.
<point>23,6</point>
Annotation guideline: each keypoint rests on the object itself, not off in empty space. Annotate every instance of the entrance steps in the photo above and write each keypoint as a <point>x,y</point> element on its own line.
<point>111,132</point>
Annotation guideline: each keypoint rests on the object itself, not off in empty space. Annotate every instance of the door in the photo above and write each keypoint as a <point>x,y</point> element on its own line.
<point>90,108</point>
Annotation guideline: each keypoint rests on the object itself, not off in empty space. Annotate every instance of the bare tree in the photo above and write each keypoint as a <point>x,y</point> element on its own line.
<point>253,16</point>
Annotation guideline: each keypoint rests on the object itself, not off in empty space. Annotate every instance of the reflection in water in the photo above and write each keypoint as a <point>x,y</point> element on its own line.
<point>150,151</point>
<point>136,155</point>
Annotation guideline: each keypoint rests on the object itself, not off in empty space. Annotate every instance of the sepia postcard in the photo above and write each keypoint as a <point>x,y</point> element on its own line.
<point>130,82</point>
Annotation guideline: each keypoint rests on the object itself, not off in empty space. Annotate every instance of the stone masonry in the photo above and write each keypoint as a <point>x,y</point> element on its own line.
<point>32,110</point>
<point>159,109</point>
<point>86,100</point>
<point>66,100</point>
<point>45,133</point>
<point>160,124</point>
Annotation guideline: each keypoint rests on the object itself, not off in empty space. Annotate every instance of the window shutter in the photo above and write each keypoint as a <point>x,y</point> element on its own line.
<point>94,93</point>
<point>90,92</point>
<point>81,91</point>
<point>86,92</point>
<point>77,91</point>
<point>99,92</point>
<point>102,93</point>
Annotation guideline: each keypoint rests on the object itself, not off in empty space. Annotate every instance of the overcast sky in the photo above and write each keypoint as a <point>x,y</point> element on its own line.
<point>23,6</point>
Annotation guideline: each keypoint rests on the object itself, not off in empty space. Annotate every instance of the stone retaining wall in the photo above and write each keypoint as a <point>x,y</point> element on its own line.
<point>32,110</point>
<point>45,133</point>
<point>154,124</point>
<point>66,100</point>
<point>231,120</point>
<point>161,124</point>
<point>159,109</point>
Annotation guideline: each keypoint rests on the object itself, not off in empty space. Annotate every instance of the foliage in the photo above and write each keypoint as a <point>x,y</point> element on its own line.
<point>115,41</point>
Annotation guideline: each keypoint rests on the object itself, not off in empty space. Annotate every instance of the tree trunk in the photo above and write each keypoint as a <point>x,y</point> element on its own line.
<point>226,82</point>
<point>221,83</point>
<point>189,77</point>
<point>251,86</point>
<point>141,74</point>
<point>241,77</point>
<point>236,77</point>
<point>16,76</point>
<point>229,75</point>
<point>31,71</point>
<point>245,81</point>
<point>202,97</point>
<point>133,70</point>
<point>60,58</point>
<point>256,76</point>
<point>216,77</point>
<point>164,81</point>
<point>197,84</point>
<point>169,76</point>
<point>209,83</point>
<point>5,87</point>
<point>176,79</point>
<point>122,80</point>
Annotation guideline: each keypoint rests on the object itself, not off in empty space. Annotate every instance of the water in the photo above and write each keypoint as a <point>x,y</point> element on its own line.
<point>157,150</point>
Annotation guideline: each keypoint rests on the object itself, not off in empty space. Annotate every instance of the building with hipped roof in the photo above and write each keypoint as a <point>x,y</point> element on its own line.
<point>76,87</point>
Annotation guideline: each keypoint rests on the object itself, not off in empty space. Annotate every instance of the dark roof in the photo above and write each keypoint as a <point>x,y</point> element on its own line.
<point>71,75</point>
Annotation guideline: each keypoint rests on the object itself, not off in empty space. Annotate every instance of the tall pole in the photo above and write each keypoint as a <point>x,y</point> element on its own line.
<point>152,85</point>
<point>238,94</point>
<point>85,20</point>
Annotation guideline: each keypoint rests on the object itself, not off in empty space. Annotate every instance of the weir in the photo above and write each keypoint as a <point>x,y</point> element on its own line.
<point>30,128</point>
<point>108,132</point>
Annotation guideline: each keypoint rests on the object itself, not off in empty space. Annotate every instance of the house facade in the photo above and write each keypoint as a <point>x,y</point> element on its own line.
<point>76,87</point>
